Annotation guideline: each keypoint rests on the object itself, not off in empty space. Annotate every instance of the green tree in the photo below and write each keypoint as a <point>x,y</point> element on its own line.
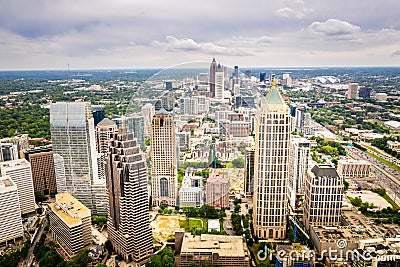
<point>51,259</point>
<point>238,163</point>
<point>356,201</point>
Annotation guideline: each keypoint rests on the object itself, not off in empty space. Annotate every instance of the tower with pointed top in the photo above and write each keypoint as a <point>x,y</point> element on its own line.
<point>271,166</point>
<point>213,70</point>
<point>164,171</point>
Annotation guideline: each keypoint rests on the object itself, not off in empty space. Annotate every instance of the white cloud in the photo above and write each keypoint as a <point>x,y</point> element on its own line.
<point>247,41</point>
<point>186,44</point>
<point>333,27</point>
<point>396,53</point>
<point>287,12</point>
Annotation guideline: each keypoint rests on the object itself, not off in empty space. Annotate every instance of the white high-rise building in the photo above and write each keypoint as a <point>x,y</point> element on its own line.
<point>164,172</point>
<point>10,213</point>
<point>219,83</point>
<point>188,106</point>
<point>300,148</point>
<point>271,166</point>
<point>73,137</point>
<point>148,112</point>
<point>323,196</point>
<point>59,168</point>
<point>20,172</point>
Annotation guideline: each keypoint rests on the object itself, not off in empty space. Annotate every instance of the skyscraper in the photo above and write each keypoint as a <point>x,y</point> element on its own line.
<point>19,171</point>
<point>323,196</point>
<point>300,148</point>
<point>98,113</point>
<point>135,125</point>
<point>352,93</point>
<point>148,112</point>
<point>105,130</point>
<point>249,175</point>
<point>42,168</point>
<point>128,223</point>
<point>271,166</point>
<point>219,83</point>
<point>164,159</point>
<point>10,215</point>
<point>73,137</point>
<point>213,70</point>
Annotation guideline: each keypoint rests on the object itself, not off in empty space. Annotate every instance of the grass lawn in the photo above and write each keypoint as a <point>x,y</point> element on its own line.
<point>388,163</point>
<point>391,202</point>
<point>193,223</point>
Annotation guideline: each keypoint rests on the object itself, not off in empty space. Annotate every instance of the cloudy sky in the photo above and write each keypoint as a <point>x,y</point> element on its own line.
<point>48,34</point>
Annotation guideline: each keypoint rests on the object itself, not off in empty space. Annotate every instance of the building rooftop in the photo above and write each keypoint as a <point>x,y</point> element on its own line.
<point>225,246</point>
<point>324,170</point>
<point>69,209</point>
<point>15,164</point>
<point>6,183</point>
<point>106,122</point>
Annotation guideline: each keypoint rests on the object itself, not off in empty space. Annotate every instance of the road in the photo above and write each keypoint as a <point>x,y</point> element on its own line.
<point>28,259</point>
<point>387,177</point>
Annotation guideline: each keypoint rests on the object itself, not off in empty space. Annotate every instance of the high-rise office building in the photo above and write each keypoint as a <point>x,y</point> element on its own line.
<point>219,83</point>
<point>135,124</point>
<point>352,92</point>
<point>104,132</point>
<point>168,101</point>
<point>98,113</point>
<point>70,224</point>
<point>236,72</point>
<point>20,172</point>
<point>42,168</point>
<point>364,92</point>
<point>168,85</point>
<point>59,170</point>
<point>249,175</point>
<point>323,196</point>
<point>164,159</point>
<point>271,166</point>
<point>188,106</point>
<point>128,223</point>
<point>9,151</point>
<point>73,138</point>
<point>10,214</point>
<point>13,147</point>
<point>217,192</point>
<point>263,76</point>
<point>148,112</point>
<point>300,149</point>
<point>213,70</point>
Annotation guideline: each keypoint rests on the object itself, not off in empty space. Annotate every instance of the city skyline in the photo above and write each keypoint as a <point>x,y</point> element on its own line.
<point>157,34</point>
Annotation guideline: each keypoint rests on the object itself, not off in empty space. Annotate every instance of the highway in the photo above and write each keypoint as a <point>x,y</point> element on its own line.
<point>387,177</point>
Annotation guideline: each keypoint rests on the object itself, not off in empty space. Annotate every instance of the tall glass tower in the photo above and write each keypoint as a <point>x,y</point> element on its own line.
<point>73,138</point>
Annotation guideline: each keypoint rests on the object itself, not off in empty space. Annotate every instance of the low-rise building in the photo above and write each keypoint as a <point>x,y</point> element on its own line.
<point>351,168</point>
<point>191,193</point>
<point>215,250</point>
<point>70,223</point>
<point>393,145</point>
